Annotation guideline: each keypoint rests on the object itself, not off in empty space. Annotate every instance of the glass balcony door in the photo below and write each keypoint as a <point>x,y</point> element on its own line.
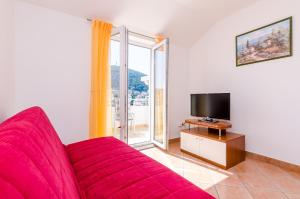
<point>138,75</point>
<point>118,69</point>
<point>138,88</point>
<point>159,93</point>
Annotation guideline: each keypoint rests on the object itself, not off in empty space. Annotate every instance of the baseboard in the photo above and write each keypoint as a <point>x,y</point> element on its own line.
<point>173,140</point>
<point>279,163</point>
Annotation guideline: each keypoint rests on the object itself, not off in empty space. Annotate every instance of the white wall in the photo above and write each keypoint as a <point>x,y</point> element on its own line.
<point>6,58</point>
<point>264,96</point>
<point>178,95</point>
<point>52,52</point>
<point>52,60</point>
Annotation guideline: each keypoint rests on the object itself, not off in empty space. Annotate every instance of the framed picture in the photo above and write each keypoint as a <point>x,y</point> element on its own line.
<point>273,41</point>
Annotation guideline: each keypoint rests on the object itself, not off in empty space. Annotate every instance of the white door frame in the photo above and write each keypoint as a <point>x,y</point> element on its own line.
<point>122,30</point>
<point>163,145</point>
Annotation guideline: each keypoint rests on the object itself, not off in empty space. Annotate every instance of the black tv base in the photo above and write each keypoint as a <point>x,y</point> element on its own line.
<point>208,120</point>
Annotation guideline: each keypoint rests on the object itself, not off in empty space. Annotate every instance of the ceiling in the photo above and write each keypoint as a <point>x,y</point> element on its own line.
<point>183,21</point>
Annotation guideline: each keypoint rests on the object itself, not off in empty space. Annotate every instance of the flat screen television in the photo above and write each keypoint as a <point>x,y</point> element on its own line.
<point>214,105</point>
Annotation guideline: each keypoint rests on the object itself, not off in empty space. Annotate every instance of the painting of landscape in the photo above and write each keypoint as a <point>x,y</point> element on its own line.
<point>266,43</point>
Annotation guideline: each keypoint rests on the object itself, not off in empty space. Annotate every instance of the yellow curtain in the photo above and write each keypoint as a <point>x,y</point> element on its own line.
<point>99,123</point>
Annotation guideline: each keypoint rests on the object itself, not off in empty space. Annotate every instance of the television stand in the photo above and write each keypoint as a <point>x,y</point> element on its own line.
<point>224,151</point>
<point>213,127</point>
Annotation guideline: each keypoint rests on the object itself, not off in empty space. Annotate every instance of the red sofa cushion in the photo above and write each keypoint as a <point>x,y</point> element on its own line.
<point>35,164</point>
<point>33,161</point>
<point>108,168</point>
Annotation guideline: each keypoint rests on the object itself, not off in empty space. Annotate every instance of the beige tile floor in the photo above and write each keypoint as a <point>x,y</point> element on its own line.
<point>249,179</point>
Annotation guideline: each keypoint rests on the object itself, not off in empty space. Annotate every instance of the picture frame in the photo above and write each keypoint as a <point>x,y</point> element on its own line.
<point>273,41</point>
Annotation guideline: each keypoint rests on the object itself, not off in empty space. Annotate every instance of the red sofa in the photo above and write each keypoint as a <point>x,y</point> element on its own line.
<point>35,164</point>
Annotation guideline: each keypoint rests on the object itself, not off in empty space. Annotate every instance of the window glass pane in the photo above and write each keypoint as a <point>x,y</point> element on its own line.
<point>139,65</point>
<point>159,94</point>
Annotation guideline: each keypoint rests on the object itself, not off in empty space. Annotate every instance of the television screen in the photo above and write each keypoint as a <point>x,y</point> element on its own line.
<point>215,105</point>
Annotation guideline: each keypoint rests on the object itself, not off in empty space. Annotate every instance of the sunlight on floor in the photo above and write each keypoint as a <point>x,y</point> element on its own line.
<point>249,179</point>
<point>202,175</point>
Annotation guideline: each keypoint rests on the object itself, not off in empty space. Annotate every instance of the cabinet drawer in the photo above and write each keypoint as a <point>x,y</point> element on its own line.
<point>189,143</point>
<point>212,150</point>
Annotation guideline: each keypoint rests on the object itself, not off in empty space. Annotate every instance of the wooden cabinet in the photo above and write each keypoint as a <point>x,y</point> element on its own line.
<point>213,150</point>
<point>224,151</point>
<point>190,143</point>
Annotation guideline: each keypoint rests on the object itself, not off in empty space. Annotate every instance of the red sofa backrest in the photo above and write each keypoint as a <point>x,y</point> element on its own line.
<point>33,161</point>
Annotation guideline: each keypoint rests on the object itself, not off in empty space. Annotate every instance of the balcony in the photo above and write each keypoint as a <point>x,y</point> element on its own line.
<point>138,123</point>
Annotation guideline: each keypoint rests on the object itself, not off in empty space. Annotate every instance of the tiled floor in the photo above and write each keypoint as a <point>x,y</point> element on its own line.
<point>250,179</point>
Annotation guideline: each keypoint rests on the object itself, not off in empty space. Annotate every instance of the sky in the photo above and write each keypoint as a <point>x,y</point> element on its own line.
<point>139,58</point>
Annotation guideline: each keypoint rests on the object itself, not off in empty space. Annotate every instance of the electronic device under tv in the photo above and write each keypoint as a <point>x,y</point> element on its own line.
<point>211,106</point>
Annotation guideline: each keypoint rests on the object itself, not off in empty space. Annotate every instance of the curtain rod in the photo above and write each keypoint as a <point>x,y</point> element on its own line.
<point>90,20</point>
